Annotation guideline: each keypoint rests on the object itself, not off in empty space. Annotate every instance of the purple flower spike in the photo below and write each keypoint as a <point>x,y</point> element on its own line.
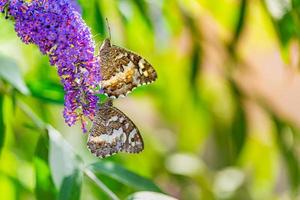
<point>3,3</point>
<point>57,28</point>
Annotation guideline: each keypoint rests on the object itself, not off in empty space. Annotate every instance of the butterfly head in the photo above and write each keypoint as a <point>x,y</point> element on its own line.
<point>105,45</point>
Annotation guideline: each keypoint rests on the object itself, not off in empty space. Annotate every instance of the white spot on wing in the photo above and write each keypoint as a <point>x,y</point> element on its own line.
<point>112,119</point>
<point>131,57</point>
<point>141,65</point>
<point>132,135</point>
<point>118,134</point>
<point>121,55</point>
<point>146,73</point>
<point>121,119</point>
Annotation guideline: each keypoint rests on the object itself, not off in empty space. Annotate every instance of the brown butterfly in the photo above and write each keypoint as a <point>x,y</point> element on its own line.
<point>112,131</point>
<point>123,70</point>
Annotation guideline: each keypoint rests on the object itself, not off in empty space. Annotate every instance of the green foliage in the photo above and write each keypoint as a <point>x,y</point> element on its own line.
<point>47,91</point>
<point>196,116</point>
<point>2,127</point>
<point>71,186</point>
<point>124,176</point>
<point>100,23</point>
<point>288,153</point>
<point>149,196</point>
<point>59,168</point>
<point>44,184</point>
<point>10,72</point>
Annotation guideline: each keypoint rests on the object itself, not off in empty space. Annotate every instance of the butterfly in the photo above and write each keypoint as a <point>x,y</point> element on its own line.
<point>112,132</point>
<point>122,70</point>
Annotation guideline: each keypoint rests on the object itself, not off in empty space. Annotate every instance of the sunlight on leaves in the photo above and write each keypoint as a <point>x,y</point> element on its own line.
<point>206,135</point>
<point>63,161</point>
<point>227,182</point>
<point>2,128</point>
<point>278,8</point>
<point>10,72</point>
<point>184,164</point>
<point>6,189</point>
<point>150,196</point>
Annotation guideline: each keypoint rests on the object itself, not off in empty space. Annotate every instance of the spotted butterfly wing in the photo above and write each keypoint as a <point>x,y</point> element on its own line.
<point>112,131</point>
<point>123,70</point>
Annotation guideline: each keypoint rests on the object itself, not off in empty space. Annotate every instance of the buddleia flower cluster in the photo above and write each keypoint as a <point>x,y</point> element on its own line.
<point>3,3</point>
<point>59,31</point>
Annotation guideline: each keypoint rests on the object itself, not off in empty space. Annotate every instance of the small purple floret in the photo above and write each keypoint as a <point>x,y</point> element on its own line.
<point>2,4</point>
<point>57,28</point>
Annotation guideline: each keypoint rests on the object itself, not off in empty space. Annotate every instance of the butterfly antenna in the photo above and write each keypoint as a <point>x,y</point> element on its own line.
<point>108,27</point>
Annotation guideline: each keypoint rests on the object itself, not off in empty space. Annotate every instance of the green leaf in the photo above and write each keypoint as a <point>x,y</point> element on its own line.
<point>239,122</point>
<point>287,28</point>
<point>47,91</point>
<point>100,21</point>
<point>289,153</point>
<point>63,161</point>
<point>149,196</point>
<point>124,176</point>
<point>143,9</point>
<point>71,187</point>
<point>195,69</point>
<point>239,25</point>
<point>239,130</point>
<point>19,186</point>
<point>2,126</point>
<point>44,188</point>
<point>9,71</point>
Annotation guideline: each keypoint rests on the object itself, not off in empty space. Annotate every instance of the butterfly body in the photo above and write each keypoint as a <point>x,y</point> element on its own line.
<point>112,131</point>
<point>123,70</point>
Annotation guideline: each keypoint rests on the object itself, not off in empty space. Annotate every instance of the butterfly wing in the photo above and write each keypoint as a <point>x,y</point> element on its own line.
<point>112,131</point>
<point>123,70</point>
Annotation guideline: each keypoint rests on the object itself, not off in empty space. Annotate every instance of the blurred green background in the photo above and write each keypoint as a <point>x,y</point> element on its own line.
<point>221,122</point>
